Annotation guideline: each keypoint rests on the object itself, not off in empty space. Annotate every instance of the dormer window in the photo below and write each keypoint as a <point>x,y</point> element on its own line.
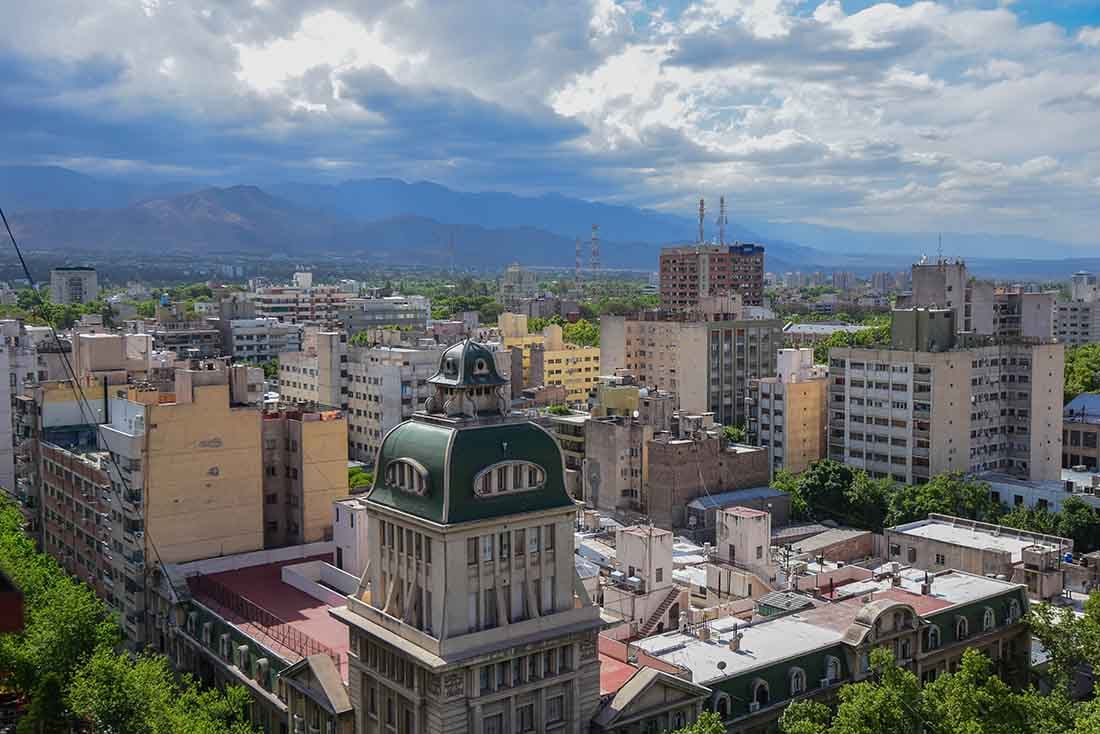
<point>408,476</point>
<point>509,476</point>
<point>481,367</point>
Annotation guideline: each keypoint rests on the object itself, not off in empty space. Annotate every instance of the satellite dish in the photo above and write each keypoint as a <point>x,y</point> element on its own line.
<point>721,664</point>
<point>636,414</point>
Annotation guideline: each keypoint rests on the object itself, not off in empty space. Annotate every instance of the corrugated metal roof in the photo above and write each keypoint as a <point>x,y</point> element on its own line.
<point>1084,408</point>
<point>733,497</point>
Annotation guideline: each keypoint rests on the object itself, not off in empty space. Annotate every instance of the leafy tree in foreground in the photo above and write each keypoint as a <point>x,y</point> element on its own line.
<point>707,723</point>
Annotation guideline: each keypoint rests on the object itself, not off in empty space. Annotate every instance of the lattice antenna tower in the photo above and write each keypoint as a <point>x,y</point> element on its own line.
<point>702,215</point>
<point>577,275</point>
<point>594,252</point>
<point>722,220</point>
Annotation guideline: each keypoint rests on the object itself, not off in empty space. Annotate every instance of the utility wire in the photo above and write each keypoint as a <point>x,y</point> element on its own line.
<point>85,406</point>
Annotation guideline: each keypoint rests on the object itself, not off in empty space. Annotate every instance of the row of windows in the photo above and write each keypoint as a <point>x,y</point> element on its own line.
<point>488,547</point>
<point>405,541</point>
<point>514,673</point>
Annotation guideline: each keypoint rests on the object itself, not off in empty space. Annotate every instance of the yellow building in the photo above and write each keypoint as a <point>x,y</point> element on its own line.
<point>788,413</point>
<point>548,360</point>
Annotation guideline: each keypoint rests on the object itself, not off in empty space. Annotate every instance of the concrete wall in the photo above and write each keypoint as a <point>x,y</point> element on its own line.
<point>204,477</point>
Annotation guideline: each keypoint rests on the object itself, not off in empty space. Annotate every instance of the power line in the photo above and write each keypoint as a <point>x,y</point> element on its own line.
<point>82,399</point>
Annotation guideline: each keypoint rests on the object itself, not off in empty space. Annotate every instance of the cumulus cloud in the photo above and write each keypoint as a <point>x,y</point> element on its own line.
<point>936,113</point>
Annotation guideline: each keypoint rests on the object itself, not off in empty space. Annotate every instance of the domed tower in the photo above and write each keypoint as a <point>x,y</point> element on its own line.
<point>468,618</point>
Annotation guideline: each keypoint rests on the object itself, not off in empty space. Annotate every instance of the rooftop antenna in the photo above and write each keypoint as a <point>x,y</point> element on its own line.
<point>594,253</point>
<point>451,252</point>
<point>577,269</point>
<point>722,220</point>
<point>939,248</point>
<point>702,213</point>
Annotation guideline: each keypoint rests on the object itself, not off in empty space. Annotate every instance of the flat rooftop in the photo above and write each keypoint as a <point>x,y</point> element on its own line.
<point>263,586</point>
<point>795,635</point>
<point>971,535</point>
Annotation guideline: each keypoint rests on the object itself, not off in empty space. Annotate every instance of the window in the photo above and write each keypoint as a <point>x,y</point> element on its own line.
<point>525,718</point>
<point>989,619</point>
<point>509,476</point>
<point>520,543</point>
<point>1013,610</point>
<point>798,681</point>
<point>760,693</point>
<point>533,540</point>
<point>912,555</point>
<point>505,545</point>
<point>832,669</point>
<point>555,709</point>
<point>940,560</point>
<point>962,628</point>
<point>487,547</point>
<point>548,536</point>
<point>932,639</point>
<point>486,678</point>
<point>660,575</point>
<point>895,549</point>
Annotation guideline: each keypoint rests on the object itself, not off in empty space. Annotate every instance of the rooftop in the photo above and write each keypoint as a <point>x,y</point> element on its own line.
<point>980,535</point>
<point>795,635</point>
<point>1084,408</point>
<point>733,497</point>
<point>823,329</point>
<point>295,625</point>
<point>746,512</point>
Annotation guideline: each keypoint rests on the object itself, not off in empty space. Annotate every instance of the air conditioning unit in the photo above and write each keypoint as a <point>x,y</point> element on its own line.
<point>824,683</point>
<point>754,706</point>
<point>636,583</point>
<point>618,577</point>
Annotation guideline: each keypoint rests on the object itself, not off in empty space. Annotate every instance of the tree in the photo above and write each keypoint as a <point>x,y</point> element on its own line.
<point>559,410</point>
<point>735,434</point>
<point>889,702</point>
<point>805,717</point>
<point>1082,370</point>
<point>359,478</point>
<point>948,494</point>
<point>822,488</point>
<point>708,723</point>
<point>867,501</point>
<point>583,333</point>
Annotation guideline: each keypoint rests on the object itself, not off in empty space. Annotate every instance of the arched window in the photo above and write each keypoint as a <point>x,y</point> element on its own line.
<point>989,619</point>
<point>797,678</point>
<point>899,620</point>
<point>721,702</point>
<point>864,661</point>
<point>509,476</point>
<point>905,649</point>
<point>832,669</point>
<point>761,696</point>
<point>932,641</point>
<point>962,628</point>
<point>1013,610</point>
<point>407,475</point>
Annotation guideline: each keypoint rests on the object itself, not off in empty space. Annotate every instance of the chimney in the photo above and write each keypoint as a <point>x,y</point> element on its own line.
<point>926,586</point>
<point>735,642</point>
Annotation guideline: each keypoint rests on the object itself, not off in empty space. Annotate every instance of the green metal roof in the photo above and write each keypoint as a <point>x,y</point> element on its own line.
<point>453,455</point>
<point>467,364</point>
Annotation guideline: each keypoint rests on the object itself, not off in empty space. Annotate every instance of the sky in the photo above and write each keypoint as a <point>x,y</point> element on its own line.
<point>952,115</point>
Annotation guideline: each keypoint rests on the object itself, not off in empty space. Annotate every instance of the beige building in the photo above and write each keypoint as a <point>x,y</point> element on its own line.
<point>386,385</point>
<point>708,364</point>
<point>1081,432</point>
<point>943,542</point>
<point>467,618</point>
<point>73,285</point>
<point>616,470</point>
<point>621,395</point>
<point>305,456</point>
<point>319,305</point>
<point>318,373</point>
<point>934,404</point>
<point>788,413</point>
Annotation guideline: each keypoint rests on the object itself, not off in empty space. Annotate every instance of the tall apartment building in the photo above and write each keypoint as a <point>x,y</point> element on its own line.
<point>707,363</point>
<point>402,312</point>
<point>516,286</point>
<point>73,285</point>
<point>386,386</point>
<point>788,413</point>
<point>1077,321</point>
<point>318,373</point>
<point>688,273</point>
<point>321,305</point>
<point>259,339</point>
<point>548,360</point>
<point>467,618</point>
<point>935,402</point>
<point>305,459</point>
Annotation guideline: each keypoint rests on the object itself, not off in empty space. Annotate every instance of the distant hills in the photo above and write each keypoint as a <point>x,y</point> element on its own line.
<point>392,221</point>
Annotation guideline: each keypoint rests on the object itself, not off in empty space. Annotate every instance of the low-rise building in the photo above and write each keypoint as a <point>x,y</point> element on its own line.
<point>400,312</point>
<point>702,512</point>
<point>73,285</point>
<point>1081,432</point>
<point>319,305</point>
<point>259,339</point>
<point>944,542</point>
<point>754,671</point>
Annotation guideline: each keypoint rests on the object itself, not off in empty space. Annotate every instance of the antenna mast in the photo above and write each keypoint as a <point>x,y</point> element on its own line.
<point>577,269</point>
<point>702,214</point>
<point>594,253</point>
<point>722,220</point>
<point>451,252</point>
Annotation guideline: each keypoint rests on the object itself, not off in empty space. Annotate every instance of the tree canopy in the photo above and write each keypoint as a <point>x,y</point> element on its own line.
<point>1082,370</point>
<point>67,660</point>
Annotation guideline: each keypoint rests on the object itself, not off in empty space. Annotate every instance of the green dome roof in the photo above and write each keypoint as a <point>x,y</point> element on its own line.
<point>467,364</point>
<point>450,458</point>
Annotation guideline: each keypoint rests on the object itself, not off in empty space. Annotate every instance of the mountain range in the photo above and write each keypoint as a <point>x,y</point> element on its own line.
<point>391,221</point>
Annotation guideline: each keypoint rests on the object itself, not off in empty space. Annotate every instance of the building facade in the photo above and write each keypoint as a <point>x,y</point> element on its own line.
<point>386,385</point>
<point>260,339</point>
<point>1081,432</point>
<point>668,354</point>
<point>318,373</point>
<point>401,312</point>
<point>546,358</point>
<point>466,618</point>
<point>73,285</point>
<point>517,285</point>
<point>788,413</point>
<point>688,273</point>
<point>318,305</point>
